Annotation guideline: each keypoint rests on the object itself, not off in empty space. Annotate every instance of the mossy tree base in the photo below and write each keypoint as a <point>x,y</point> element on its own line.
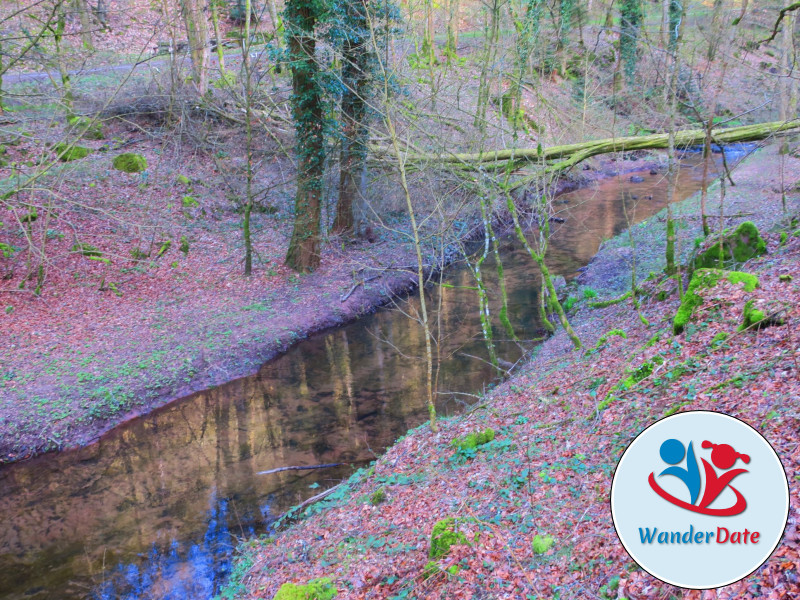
<point>705,279</point>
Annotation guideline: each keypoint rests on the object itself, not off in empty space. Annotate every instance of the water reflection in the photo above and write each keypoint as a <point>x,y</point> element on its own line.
<point>153,509</point>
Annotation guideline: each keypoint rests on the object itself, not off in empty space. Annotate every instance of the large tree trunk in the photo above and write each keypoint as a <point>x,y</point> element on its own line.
<point>351,211</point>
<point>308,112</point>
<point>194,18</point>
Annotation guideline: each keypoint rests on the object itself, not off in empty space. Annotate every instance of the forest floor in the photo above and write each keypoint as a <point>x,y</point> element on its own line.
<point>548,470</point>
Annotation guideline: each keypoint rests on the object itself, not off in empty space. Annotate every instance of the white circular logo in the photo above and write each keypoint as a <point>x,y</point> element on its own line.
<point>699,500</point>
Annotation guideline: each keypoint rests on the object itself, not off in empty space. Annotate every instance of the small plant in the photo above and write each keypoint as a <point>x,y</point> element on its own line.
<point>719,339</point>
<point>182,179</point>
<point>86,250</point>
<point>785,278</point>
<point>129,162</point>
<point>542,544</point>
<point>589,293</point>
<point>165,246</point>
<point>608,591</point>
<point>189,202</point>
<point>378,497</point>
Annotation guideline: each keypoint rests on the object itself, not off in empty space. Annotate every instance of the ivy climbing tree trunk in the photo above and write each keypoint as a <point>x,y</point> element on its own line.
<point>308,111</point>
<point>630,13</point>
<point>351,210</point>
<point>196,24</point>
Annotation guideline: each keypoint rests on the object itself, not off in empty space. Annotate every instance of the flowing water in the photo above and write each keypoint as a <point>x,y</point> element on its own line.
<point>155,508</point>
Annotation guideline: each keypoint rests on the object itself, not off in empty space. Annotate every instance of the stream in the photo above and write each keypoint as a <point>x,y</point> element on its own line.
<point>156,507</point>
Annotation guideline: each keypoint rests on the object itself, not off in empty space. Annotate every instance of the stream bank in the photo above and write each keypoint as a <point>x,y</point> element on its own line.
<point>534,500</point>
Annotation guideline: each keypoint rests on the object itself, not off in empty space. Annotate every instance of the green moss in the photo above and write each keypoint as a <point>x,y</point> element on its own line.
<point>784,237</point>
<point>86,249</point>
<point>785,278</point>
<point>737,247</point>
<point>130,162</point>
<point>757,318</point>
<point>643,372</point>
<point>473,440</point>
<point>719,338</point>
<point>182,179</point>
<point>165,246</point>
<point>189,202</point>
<point>184,245</point>
<point>316,589</point>
<point>92,129</point>
<point>378,496</point>
<point>704,279</point>
<point>431,569</point>
<point>608,335</point>
<point>542,544</point>
<point>67,153</point>
<point>443,536</point>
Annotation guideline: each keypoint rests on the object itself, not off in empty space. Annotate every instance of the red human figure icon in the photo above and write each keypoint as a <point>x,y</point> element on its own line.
<point>724,457</point>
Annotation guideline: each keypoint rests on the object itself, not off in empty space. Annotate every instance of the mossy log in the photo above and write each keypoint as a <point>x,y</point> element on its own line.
<point>571,154</point>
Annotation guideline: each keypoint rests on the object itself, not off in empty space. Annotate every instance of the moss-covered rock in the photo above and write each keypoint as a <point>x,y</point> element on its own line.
<point>704,279</point>
<point>316,589</point>
<point>473,440</point>
<point>444,535</point>
<point>737,247</point>
<point>67,153</point>
<point>130,162</point>
<point>92,129</point>
<point>182,179</point>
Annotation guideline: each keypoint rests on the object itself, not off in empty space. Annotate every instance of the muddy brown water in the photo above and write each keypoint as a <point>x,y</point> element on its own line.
<point>155,508</point>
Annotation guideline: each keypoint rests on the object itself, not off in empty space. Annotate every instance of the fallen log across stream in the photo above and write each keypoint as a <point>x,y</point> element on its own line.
<point>569,155</point>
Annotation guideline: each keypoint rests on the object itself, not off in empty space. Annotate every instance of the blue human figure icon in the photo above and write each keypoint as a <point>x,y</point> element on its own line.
<point>672,453</point>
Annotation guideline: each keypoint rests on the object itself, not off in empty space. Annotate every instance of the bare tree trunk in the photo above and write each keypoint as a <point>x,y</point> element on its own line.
<point>194,18</point>
<point>101,12</point>
<point>487,64</point>
<point>58,38</point>
<point>248,104</point>
<point>788,87</point>
<point>86,24</point>
<point>351,210</point>
<point>218,37</point>
<point>453,19</point>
